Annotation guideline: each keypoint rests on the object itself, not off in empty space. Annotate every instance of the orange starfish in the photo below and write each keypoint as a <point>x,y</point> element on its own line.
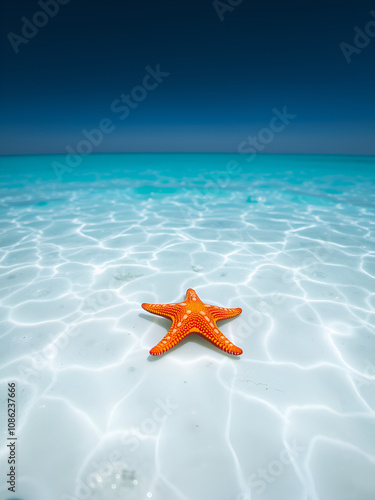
<point>193,316</point>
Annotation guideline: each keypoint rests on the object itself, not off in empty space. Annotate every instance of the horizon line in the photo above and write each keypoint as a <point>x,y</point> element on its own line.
<point>188,152</point>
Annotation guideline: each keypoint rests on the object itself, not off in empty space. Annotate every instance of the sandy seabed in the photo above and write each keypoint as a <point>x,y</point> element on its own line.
<point>290,240</point>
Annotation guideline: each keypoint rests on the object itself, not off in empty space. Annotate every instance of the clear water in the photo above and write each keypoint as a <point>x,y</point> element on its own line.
<point>290,239</point>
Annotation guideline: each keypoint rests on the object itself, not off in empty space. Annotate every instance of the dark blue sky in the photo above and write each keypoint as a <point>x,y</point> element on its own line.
<point>228,70</point>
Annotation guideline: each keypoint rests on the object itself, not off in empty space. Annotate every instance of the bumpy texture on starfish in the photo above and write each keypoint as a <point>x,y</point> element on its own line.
<point>193,316</point>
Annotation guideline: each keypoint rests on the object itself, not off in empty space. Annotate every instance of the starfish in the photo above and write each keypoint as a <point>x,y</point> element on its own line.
<point>193,316</point>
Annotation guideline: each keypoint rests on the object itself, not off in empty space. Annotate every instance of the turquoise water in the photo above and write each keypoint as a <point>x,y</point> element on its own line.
<point>288,238</point>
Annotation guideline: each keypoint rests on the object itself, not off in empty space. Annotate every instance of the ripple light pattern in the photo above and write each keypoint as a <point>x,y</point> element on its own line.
<point>290,240</point>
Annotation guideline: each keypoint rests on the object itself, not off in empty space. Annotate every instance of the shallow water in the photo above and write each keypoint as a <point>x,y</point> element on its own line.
<point>289,239</point>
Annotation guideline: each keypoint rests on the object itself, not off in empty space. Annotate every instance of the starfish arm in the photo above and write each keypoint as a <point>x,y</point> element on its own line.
<point>214,335</point>
<point>167,310</point>
<point>220,313</point>
<point>173,337</point>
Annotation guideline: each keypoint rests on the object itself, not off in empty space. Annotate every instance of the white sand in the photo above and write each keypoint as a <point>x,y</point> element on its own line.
<point>98,418</point>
